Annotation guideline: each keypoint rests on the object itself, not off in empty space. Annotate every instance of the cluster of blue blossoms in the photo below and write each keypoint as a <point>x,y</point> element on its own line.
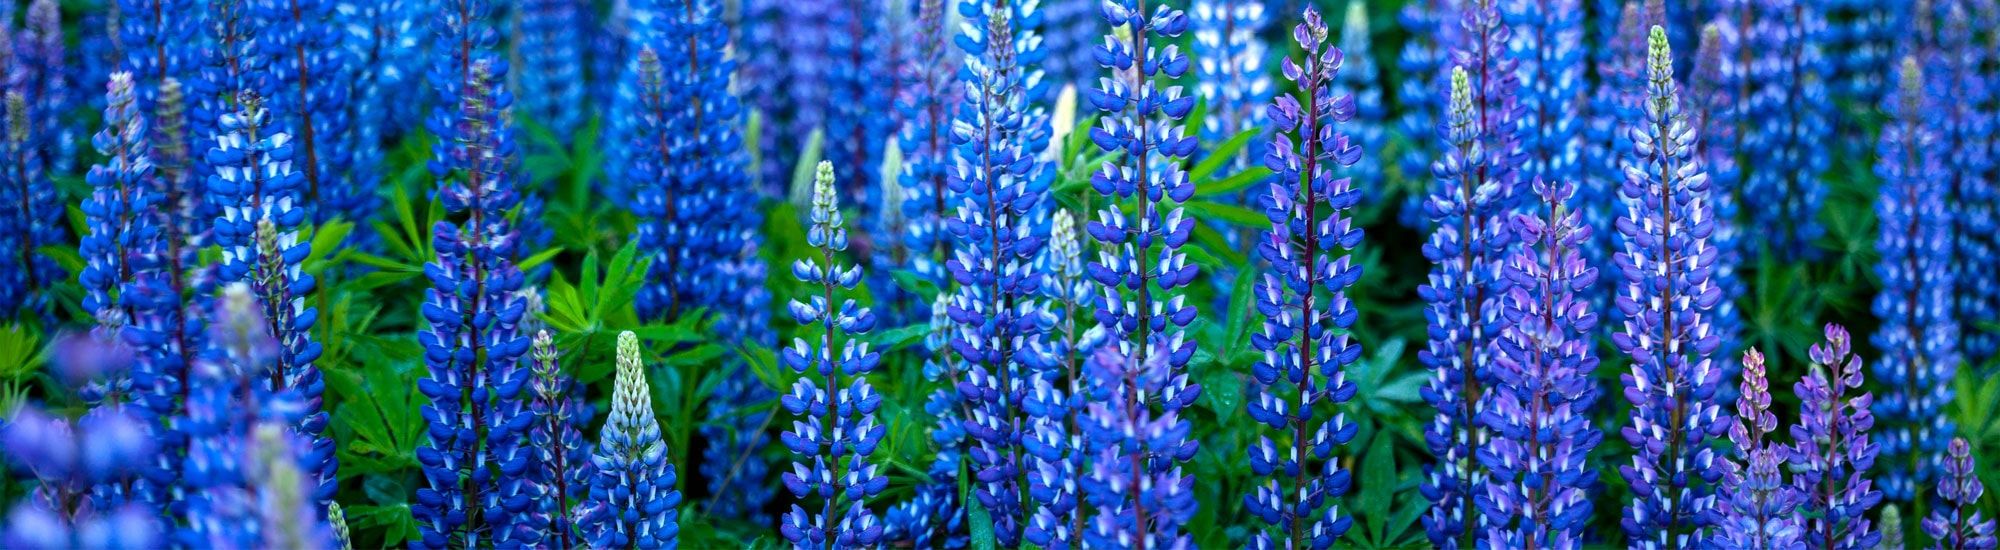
<point>1573,194</point>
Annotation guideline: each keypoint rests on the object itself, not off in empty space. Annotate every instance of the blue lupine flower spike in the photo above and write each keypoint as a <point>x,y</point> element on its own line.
<point>1918,334</point>
<point>998,185</point>
<point>632,501</point>
<point>835,431</point>
<point>1305,339</point>
<point>1143,274</point>
<point>1668,293</point>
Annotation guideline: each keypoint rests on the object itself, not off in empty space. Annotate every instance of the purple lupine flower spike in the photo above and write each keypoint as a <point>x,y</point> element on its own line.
<point>1305,338</point>
<point>1918,336</point>
<point>1668,293</point>
<point>1831,453</point>
<point>1134,425</point>
<point>1758,507</point>
<point>1535,496</point>
<point>1958,525</point>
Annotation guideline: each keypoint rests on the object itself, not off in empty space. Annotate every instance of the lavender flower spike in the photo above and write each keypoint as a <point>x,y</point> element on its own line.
<point>1539,414</point>
<point>1758,507</point>
<point>1959,526</point>
<point>1831,453</point>
<point>835,430</point>
<point>1305,338</point>
<point>1665,303</point>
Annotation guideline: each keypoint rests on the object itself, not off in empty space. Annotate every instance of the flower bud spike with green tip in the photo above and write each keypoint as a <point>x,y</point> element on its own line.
<point>633,501</point>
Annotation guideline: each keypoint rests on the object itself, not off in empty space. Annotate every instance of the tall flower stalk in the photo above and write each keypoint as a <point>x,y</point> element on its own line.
<point>1141,374</point>
<point>561,459</point>
<point>998,184</point>
<point>1539,415</point>
<point>1422,63</point>
<point>307,68</point>
<point>474,458</point>
<point>835,431</point>
<point>1230,68</point>
<point>261,210</point>
<point>925,142</point>
<point>1965,137</point>
<point>1792,113</point>
<point>1055,442</point>
<point>1664,307</point>
<point>1306,339</point>
<point>1918,336</point>
<point>1360,78</point>
<point>1476,180</point>
<point>1759,510</point>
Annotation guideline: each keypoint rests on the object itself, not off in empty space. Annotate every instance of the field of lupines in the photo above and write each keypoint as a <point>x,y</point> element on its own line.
<point>999,273</point>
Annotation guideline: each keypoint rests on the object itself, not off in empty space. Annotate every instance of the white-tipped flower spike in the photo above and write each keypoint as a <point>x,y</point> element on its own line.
<point>633,502</point>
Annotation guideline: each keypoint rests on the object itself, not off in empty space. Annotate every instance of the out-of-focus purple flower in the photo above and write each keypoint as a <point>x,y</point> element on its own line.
<point>1229,67</point>
<point>1790,116</point>
<point>1361,79</point>
<point>1918,336</point>
<point>86,467</point>
<point>1305,338</point>
<point>1668,293</point>
<point>1620,69</point>
<point>834,431</point>
<point>550,80</point>
<point>925,142</point>
<point>1958,525</point>
<point>1422,62</point>
<point>1963,118</point>
<point>1715,114</point>
<point>155,37</point>
<point>309,71</point>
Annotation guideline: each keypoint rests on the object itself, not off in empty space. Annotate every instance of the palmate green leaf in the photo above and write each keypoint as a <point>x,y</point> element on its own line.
<point>395,521</point>
<point>21,352</point>
<point>913,284</point>
<point>378,422</point>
